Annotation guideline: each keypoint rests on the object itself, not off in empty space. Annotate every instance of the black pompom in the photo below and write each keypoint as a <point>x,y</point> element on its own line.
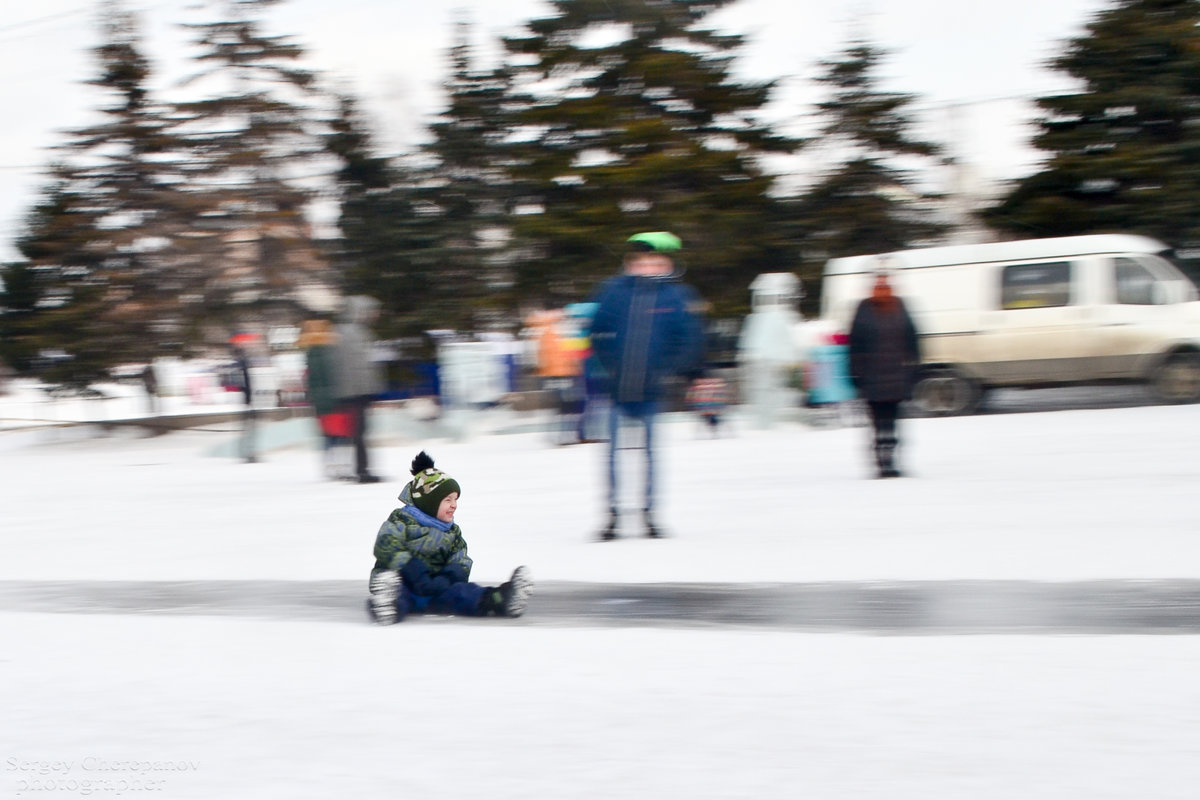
<point>421,462</point>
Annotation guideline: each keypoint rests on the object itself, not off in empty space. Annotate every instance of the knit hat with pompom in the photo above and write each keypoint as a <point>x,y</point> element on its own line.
<point>430,486</point>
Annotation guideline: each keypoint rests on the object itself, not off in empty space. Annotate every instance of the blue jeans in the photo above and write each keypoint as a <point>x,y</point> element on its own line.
<point>642,412</point>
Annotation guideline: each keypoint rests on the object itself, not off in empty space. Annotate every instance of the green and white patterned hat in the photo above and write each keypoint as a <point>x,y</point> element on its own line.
<point>430,486</point>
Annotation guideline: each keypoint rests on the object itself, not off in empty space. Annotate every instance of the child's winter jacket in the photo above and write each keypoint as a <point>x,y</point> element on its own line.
<point>430,555</point>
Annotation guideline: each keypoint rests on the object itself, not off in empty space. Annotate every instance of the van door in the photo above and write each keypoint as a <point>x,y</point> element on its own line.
<point>1035,330</point>
<point>1130,321</point>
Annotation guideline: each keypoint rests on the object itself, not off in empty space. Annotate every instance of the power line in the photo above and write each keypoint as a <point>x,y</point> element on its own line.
<point>82,11</point>
<point>38,20</point>
<point>79,12</point>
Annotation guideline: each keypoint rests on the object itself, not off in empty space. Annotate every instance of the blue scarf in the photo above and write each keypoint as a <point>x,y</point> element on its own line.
<point>426,520</point>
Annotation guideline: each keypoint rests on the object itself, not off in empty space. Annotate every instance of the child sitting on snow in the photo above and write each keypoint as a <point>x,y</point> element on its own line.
<point>421,561</point>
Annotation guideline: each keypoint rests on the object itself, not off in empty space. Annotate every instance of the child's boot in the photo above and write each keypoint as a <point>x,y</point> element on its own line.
<point>516,591</point>
<point>509,598</point>
<point>385,587</point>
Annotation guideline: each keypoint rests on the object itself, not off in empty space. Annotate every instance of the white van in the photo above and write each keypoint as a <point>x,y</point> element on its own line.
<point>1039,312</point>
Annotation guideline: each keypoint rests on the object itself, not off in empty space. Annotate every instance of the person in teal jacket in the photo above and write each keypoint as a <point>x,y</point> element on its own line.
<point>646,330</point>
<point>421,560</point>
<point>320,383</point>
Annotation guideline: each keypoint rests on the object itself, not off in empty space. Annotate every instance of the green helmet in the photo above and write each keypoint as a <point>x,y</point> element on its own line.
<point>656,242</point>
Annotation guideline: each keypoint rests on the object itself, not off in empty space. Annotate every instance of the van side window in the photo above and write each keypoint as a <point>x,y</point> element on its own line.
<point>1035,285</point>
<point>1135,283</point>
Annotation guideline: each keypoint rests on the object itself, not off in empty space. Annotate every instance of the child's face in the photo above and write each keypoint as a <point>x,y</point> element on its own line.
<point>649,264</point>
<point>447,507</point>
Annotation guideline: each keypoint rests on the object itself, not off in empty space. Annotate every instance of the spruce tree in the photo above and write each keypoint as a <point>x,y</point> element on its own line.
<point>64,279</point>
<point>100,242</point>
<point>253,142</point>
<point>19,298</point>
<point>361,178</point>
<point>869,201</point>
<point>1122,152</point>
<point>647,130</point>
<point>469,192</point>
<point>385,246</point>
<point>425,233</point>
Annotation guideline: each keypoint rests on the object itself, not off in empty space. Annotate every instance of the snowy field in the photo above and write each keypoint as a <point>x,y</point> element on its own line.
<point>172,706</point>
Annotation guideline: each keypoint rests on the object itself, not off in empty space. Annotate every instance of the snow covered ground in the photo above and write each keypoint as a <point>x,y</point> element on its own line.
<point>171,706</point>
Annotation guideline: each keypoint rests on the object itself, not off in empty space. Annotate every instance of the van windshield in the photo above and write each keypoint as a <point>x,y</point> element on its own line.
<point>1135,279</point>
<point>1187,268</point>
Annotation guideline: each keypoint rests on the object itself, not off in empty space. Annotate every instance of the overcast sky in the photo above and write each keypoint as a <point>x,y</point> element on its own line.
<point>970,63</point>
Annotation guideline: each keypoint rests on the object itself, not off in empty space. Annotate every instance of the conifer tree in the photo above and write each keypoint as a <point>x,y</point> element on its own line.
<point>469,191</point>
<point>632,121</point>
<point>253,142</point>
<point>385,245</point>
<point>869,200</point>
<point>99,243</point>
<point>64,287</point>
<point>425,233</point>
<point>19,297</point>
<point>1122,152</point>
<point>362,178</point>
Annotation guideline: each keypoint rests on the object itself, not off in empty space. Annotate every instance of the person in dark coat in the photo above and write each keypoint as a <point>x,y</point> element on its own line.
<point>646,329</point>
<point>884,356</point>
<point>243,374</point>
<point>150,382</point>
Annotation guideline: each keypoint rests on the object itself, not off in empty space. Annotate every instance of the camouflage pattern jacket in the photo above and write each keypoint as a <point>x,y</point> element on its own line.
<point>430,555</point>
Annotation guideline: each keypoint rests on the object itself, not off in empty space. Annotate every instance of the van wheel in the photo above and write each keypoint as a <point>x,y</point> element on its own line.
<point>1178,379</point>
<point>945,393</point>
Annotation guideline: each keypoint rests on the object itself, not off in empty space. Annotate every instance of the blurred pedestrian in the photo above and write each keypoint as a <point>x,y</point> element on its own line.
<point>317,341</point>
<point>243,375</point>
<point>646,330</point>
<point>708,396</point>
<point>590,408</point>
<point>150,383</point>
<point>559,372</point>
<point>359,379</point>
<point>884,356</point>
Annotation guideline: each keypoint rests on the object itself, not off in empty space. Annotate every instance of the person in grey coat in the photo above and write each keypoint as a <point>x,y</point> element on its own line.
<point>884,356</point>
<point>358,378</point>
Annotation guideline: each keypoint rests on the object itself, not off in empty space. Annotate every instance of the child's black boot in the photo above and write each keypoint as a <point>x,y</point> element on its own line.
<point>510,598</point>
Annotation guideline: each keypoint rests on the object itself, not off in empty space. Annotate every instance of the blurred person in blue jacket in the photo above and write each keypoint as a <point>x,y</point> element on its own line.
<point>646,330</point>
